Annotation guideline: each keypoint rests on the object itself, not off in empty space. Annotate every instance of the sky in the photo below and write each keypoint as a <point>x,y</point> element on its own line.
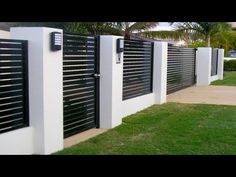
<point>162,26</point>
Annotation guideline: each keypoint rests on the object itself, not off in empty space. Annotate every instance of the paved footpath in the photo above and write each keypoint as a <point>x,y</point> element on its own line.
<point>220,95</point>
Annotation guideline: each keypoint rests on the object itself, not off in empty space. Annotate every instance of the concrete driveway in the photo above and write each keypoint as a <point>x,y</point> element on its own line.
<point>221,95</point>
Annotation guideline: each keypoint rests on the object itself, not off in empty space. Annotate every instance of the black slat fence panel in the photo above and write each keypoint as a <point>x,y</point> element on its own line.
<point>80,92</point>
<point>137,68</point>
<point>214,61</point>
<point>14,110</point>
<point>180,68</point>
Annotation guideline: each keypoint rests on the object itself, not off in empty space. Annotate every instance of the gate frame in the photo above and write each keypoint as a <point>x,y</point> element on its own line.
<point>96,80</point>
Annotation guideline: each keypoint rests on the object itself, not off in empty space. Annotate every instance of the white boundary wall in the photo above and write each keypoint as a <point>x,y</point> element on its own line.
<point>158,96</point>
<point>112,107</point>
<point>203,66</point>
<point>45,133</point>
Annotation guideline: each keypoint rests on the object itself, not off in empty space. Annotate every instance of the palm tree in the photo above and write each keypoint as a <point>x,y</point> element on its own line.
<point>206,30</point>
<point>127,28</point>
<point>92,28</point>
<point>191,31</point>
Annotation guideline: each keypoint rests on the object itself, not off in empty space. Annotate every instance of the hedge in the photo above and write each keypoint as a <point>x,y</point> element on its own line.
<point>230,65</point>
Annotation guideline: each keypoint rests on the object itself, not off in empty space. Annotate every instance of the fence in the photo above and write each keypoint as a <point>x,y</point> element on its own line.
<point>180,68</point>
<point>137,68</point>
<point>214,62</point>
<point>13,85</point>
<point>66,94</point>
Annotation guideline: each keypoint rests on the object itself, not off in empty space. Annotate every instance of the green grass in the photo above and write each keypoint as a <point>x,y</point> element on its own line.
<point>170,128</point>
<point>229,79</point>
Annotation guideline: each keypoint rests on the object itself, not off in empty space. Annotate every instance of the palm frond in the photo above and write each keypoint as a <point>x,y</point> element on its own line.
<point>139,26</point>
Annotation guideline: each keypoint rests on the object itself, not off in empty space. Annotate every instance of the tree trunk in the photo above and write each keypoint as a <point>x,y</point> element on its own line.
<point>127,35</point>
<point>208,41</point>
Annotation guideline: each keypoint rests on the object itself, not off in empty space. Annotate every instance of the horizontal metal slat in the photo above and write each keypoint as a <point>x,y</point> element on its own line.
<point>10,70</point>
<point>80,128</point>
<point>75,86</point>
<point>11,57</point>
<point>11,51</point>
<point>75,123</point>
<point>78,47</point>
<point>11,76</point>
<point>79,113</point>
<point>11,87</point>
<point>137,79</point>
<point>10,105</point>
<point>11,99</point>
<point>11,93</point>
<point>138,49</point>
<point>79,101</point>
<point>13,127</point>
<point>79,90</point>
<point>71,63</point>
<point>78,72</point>
<point>78,53</point>
<point>134,72</point>
<point>77,81</point>
<point>75,58</point>
<point>137,88</point>
<point>10,45</point>
<point>131,85</point>
<point>11,63</point>
<point>71,109</point>
<point>80,95</point>
<point>77,76</point>
<point>78,116</point>
<point>127,75</point>
<point>133,95</point>
<point>77,37</point>
<point>11,111</point>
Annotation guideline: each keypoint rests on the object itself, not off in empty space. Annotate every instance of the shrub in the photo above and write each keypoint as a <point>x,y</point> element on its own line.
<point>197,44</point>
<point>230,65</point>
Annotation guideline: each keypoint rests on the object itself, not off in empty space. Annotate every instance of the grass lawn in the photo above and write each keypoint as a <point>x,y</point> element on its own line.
<point>171,128</point>
<point>229,79</point>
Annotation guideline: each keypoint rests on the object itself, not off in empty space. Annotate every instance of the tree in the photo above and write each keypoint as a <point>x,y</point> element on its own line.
<point>99,28</point>
<point>206,30</point>
<point>226,40</point>
<point>127,28</point>
<point>192,31</point>
<point>92,28</point>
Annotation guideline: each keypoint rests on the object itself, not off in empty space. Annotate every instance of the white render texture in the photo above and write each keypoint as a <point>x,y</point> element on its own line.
<point>160,71</point>
<point>214,78</point>
<point>203,65</point>
<point>45,88</point>
<point>111,83</point>
<point>17,142</point>
<point>221,64</point>
<point>136,104</point>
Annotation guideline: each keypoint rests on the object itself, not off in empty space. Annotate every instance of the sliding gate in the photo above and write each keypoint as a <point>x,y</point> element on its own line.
<point>181,64</point>
<point>80,83</point>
